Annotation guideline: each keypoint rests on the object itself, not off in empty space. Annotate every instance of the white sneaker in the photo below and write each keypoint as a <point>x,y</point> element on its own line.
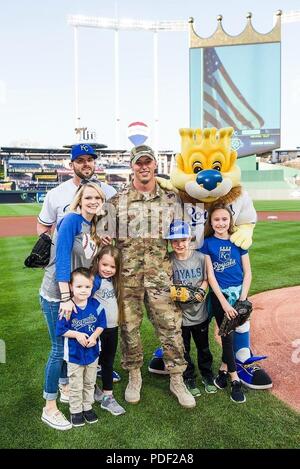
<point>56,420</point>
<point>64,398</point>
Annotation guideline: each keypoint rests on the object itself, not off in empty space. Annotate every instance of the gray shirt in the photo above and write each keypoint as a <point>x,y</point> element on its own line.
<point>107,298</point>
<point>76,249</point>
<point>190,272</point>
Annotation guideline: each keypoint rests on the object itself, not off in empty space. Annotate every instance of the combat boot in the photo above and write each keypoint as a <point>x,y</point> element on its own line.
<point>179,389</point>
<point>132,392</point>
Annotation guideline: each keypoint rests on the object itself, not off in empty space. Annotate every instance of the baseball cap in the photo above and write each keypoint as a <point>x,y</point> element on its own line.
<point>139,151</point>
<point>82,149</point>
<point>179,229</point>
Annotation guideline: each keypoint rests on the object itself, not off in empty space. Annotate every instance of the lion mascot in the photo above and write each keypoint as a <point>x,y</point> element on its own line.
<point>206,171</point>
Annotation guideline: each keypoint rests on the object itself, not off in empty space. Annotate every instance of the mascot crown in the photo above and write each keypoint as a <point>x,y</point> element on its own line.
<point>206,140</point>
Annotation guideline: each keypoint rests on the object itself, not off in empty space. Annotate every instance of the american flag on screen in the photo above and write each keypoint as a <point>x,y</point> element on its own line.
<point>224,105</point>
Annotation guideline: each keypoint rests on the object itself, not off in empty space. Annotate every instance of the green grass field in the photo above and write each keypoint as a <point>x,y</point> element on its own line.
<point>277,205</point>
<point>15,210</point>
<point>157,421</point>
<point>19,210</point>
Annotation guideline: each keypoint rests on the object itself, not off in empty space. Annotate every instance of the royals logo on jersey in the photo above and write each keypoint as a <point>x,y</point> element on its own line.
<point>196,217</point>
<point>224,253</point>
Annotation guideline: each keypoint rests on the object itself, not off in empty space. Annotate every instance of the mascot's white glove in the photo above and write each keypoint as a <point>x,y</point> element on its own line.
<point>242,236</point>
<point>166,184</point>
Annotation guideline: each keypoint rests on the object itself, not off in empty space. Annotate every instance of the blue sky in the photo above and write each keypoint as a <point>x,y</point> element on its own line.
<point>37,69</point>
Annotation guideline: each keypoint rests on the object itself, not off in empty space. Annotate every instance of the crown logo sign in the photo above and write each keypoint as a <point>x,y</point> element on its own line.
<point>206,140</point>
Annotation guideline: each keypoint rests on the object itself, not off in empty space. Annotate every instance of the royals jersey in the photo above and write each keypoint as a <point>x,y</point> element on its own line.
<point>104,292</point>
<point>226,259</point>
<point>86,320</point>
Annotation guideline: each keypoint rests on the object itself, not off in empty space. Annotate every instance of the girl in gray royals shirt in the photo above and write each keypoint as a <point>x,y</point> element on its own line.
<point>189,271</point>
<point>107,290</point>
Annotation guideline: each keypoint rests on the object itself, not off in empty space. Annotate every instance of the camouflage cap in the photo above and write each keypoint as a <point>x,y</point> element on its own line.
<point>139,151</point>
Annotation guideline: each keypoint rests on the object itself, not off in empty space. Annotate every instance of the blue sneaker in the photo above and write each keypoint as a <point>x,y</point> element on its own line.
<point>158,353</point>
<point>156,364</point>
<point>251,375</point>
<point>116,376</point>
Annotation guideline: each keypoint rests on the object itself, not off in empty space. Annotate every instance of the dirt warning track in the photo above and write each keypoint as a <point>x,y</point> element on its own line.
<point>26,226</point>
<point>17,226</point>
<point>275,331</point>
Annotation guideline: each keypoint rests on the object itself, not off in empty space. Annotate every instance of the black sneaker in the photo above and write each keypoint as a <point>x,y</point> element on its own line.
<point>221,380</point>
<point>237,394</point>
<point>77,420</point>
<point>90,416</point>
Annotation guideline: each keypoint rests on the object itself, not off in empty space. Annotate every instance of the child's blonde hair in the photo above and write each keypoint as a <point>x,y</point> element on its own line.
<point>75,206</point>
<point>208,231</point>
<point>115,253</point>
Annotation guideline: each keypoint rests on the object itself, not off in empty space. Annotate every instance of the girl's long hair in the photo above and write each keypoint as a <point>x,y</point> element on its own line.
<point>75,206</point>
<point>208,231</point>
<point>116,279</point>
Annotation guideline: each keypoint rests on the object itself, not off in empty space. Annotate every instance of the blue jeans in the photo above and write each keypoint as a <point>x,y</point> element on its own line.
<point>56,368</point>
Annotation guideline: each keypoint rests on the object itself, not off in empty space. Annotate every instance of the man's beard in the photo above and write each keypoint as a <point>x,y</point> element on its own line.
<point>83,176</point>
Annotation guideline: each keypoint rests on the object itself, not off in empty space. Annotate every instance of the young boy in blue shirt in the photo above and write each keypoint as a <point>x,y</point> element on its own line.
<point>81,349</point>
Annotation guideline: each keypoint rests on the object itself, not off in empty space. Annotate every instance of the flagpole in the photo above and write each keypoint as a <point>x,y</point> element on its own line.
<point>201,90</point>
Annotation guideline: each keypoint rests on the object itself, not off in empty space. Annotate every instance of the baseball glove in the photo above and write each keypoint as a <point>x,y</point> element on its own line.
<point>40,254</point>
<point>187,294</point>
<point>244,309</point>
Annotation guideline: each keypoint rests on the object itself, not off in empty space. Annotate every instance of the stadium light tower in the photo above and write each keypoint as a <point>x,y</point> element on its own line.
<point>116,25</point>
<point>292,16</point>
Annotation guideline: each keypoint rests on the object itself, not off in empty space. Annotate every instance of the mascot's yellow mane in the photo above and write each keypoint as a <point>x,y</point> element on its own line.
<point>208,144</point>
<point>204,150</point>
<point>206,171</point>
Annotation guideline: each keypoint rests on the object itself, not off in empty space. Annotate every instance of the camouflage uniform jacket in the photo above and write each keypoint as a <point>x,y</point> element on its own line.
<point>141,221</point>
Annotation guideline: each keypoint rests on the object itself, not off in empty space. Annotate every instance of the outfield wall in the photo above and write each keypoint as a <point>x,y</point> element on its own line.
<point>15,197</point>
<point>272,193</point>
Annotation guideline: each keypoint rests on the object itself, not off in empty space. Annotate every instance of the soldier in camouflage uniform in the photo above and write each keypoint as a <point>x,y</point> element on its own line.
<point>136,215</point>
